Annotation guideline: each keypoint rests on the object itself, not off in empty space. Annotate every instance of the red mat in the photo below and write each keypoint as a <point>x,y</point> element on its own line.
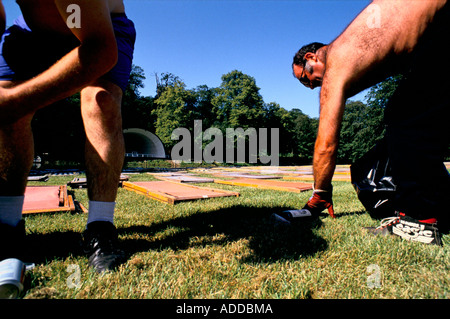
<point>41,199</point>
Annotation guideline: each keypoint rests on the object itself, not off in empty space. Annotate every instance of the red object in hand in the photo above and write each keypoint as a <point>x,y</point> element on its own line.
<point>320,201</point>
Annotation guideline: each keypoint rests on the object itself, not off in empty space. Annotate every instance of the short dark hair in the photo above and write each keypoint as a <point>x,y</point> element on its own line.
<point>299,57</point>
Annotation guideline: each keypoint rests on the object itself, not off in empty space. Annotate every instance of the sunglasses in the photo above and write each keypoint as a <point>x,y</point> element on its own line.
<point>303,78</point>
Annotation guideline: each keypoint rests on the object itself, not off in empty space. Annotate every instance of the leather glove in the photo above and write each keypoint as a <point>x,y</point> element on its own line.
<point>319,201</point>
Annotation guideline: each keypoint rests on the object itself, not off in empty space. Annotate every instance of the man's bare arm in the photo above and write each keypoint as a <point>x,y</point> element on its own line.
<point>360,57</point>
<point>96,55</point>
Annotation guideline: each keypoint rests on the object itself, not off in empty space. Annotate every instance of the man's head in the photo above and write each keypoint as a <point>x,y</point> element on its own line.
<point>309,65</point>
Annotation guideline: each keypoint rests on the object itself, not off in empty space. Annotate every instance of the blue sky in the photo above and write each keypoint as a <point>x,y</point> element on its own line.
<point>200,40</point>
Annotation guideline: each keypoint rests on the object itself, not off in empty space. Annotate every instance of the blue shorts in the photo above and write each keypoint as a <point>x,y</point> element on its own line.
<point>25,53</point>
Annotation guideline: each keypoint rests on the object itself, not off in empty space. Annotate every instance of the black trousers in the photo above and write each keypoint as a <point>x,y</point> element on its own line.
<point>418,136</point>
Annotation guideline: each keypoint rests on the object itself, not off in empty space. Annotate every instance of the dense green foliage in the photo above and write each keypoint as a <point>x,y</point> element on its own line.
<point>236,103</point>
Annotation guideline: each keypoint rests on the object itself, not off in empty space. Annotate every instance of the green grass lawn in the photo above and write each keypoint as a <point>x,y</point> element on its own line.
<point>228,248</point>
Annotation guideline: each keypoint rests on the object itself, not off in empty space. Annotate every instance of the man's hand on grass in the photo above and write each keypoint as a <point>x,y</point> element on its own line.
<point>319,201</point>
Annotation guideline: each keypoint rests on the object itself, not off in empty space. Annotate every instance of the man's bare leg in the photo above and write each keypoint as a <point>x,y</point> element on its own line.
<point>16,153</point>
<point>16,157</point>
<point>104,153</point>
<point>105,150</point>
<point>16,160</point>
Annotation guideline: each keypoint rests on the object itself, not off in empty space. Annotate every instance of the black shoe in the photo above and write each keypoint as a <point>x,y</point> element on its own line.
<point>12,240</point>
<point>100,244</point>
<point>408,228</point>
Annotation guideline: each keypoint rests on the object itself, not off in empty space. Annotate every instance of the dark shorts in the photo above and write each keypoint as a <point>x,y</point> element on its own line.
<point>25,53</point>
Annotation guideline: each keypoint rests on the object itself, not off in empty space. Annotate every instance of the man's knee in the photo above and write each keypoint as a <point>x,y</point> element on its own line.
<point>102,101</point>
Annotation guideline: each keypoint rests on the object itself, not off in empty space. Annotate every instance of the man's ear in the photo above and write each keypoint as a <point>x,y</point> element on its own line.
<point>310,56</point>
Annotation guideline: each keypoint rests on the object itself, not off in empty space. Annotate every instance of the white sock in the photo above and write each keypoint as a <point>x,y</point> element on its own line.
<point>101,211</point>
<point>11,209</point>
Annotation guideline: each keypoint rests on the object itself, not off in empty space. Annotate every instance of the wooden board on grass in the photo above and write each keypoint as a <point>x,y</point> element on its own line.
<point>185,178</point>
<point>47,199</point>
<point>295,187</point>
<point>81,182</point>
<point>311,178</point>
<point>254,176</point>
<point>174,192</point>
<point>341,173</point>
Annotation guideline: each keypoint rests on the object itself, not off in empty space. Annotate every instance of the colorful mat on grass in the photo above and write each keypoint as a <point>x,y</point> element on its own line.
<point>295,187</point>
<point>182,178</point>
<point>46,199</point>
<point>173,192</point>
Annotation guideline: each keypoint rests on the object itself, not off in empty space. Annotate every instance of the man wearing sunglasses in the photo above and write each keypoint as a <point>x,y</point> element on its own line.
<point>417,131</point>
<point>308,65</point>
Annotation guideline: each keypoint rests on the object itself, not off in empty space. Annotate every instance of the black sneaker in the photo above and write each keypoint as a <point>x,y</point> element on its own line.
<point>12,240</point>
<point>409,229</point>
<point>100,244</point>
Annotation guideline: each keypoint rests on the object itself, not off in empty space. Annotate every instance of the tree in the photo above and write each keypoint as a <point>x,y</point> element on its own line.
<point>164,81</point>
<point>362,126</point>
<point>277,117</point>
<point>379,94</point>
<point>174,109</point>
<point>303,134</point>
<point>203,106</point>
<point>135,82</point>
<point>238,102</point>
<point>137,110</point>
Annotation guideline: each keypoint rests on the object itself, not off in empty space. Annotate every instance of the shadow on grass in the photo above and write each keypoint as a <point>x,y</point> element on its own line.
<point>267,243</point>
<point>41,248</point>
